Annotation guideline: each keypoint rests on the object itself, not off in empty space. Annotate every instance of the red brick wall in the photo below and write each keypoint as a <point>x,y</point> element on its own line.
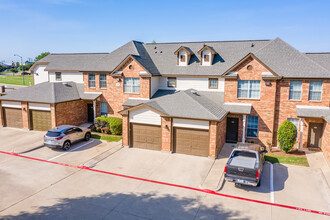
<point>263,107</point>
<point>114,93</point>
<point>221,134</point>
<point>326,141</point>
<point>166,134</point>
<point>125,130</point>
<point>213,139</point>
<point>53,115</point>
<point>71,113</point>
<point>25,115</point>
<point>286,108</point>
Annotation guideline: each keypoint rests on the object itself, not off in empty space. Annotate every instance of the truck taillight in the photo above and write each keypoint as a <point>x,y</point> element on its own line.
<point>59,138</point>
<point>257,174</point>
<point>225,170</point>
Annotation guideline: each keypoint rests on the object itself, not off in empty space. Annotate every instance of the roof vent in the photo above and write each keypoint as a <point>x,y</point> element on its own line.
<point>161,51</point>
<point>193,91</point>
<point>155,47</point>
<point>66,84</point>
<point>252,45</point>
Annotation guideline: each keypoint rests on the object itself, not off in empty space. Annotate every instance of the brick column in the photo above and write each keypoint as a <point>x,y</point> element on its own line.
<point>53,115</point>
<point>166,134</point>
<point>125,130</point>
<point>213,139</point>
<point>1,116</point>
<point>25,115</point>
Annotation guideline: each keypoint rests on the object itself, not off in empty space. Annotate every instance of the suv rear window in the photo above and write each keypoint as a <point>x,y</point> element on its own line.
<point>53,134</point>
<point>244,154</point>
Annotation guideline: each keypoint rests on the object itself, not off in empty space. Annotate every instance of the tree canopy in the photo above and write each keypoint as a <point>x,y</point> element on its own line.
<point>42,55</point>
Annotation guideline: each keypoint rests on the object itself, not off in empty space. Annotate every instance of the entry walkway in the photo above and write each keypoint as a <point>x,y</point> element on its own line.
<point>316,161</point>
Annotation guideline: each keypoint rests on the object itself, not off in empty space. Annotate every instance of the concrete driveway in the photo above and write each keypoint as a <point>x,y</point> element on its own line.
<point>32,189</point>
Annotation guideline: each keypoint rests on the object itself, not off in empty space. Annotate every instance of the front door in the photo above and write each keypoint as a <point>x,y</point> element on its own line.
<point>232,130</point>
<point>315,134</point>
<point>90,112</point>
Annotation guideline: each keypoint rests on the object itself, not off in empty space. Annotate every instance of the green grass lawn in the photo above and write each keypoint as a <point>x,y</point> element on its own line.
<point>16,80</point>
<point>107,138</point>
<point>301,161</point>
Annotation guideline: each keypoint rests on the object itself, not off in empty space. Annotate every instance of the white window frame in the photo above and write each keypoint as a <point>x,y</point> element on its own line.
<point>103,81</point>
<point>56,74</point>
<point>91,81</point>
<point>104,105</point>
<point>248,89</point>
<point>249,127</point>
<point>291,90</point>
<point>310,91</point>
<point>130,88</point>
<point>217,83</point>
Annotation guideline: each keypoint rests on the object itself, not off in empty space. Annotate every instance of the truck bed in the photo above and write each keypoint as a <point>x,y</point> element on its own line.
<point>241,161</point>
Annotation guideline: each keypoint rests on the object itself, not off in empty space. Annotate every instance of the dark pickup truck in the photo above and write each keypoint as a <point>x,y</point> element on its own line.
<point>245,164</point>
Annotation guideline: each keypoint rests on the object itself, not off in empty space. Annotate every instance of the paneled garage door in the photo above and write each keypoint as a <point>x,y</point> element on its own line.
<point>191,141</point>
<point>146,136</point>
<point>13,117</point>
<point>40,120</point>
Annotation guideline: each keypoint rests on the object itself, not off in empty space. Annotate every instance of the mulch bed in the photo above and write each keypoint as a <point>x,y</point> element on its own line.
<point>293,152</point>
<point>102,134</point>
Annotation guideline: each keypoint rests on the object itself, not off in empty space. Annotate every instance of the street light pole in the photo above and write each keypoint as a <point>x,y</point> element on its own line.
<point>21,66</point>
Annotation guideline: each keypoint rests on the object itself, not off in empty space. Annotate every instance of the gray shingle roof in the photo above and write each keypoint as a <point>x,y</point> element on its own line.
<point>50,92</point>
<point>238,108</point>
<point>191,104</point>
<point>321,58</point>
<point>159,58</point>
<point>314,112</point>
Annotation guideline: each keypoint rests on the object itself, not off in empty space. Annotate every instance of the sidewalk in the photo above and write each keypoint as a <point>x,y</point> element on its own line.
<point>317,160</point>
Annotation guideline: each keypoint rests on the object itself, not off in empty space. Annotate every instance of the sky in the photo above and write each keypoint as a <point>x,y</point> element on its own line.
<point>76,26</point>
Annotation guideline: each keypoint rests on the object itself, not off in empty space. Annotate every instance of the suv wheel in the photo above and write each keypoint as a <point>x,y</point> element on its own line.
<point>87,136</point>
<point>66,145</point>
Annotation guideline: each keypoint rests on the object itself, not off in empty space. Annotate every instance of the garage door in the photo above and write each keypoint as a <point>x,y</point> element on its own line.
<point>13,117</point>
<point>146,136</point>
<point>191,141</point>
<point>40,120</point>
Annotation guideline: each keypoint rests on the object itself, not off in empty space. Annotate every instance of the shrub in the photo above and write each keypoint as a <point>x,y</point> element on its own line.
<point>102,121</point>
<point>116,125</point>
<point>105,130</point>
<point>287,135</point>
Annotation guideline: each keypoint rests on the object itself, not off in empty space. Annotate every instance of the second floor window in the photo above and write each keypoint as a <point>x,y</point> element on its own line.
<point>315,91</point>
<point>103,81</point>
<point>91,80</point>
<point>131,85</point>
<point>248,89</point>
<point>295,90</point>
<point>58,76</point>
<point>171,82</point>
<point>213,83</point>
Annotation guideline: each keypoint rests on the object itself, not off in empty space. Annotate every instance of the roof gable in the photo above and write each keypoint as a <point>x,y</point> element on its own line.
<point>206,47</point>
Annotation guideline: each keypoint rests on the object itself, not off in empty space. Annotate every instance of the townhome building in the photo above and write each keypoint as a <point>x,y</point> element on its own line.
<point>184,97</point>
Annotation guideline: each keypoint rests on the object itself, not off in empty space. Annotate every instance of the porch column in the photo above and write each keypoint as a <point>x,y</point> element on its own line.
<point>301,132</point>
<point>243,136</point>
<point>94,109</point>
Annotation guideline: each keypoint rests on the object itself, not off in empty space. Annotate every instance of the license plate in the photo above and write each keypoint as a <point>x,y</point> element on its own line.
<point>240,181</point>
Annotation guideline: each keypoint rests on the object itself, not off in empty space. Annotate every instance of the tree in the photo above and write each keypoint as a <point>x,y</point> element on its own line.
<point>14,70</point>
<point>42,55</point>
<point>287,135</point>
<point>153,41</point>
<point>1,68</point>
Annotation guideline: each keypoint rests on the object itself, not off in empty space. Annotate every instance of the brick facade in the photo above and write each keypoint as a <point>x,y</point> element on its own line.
<point>114,94</point>
<point>274,106</point>
<point>71,113</point>
<point>1,116</point>
<point>326,141</point>
<point>25,115</point>
<point>125,130</point>
<point>167,134</point>
<point>221,135</point>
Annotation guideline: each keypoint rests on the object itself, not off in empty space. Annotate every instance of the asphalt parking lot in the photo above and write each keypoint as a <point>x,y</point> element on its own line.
<point>32,189</point>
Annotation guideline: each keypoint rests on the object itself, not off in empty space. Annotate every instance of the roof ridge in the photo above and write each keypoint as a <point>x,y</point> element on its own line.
<point>185,92</point>
<point>182,42</point>
<point>317,52</point>
<point>77,53</point>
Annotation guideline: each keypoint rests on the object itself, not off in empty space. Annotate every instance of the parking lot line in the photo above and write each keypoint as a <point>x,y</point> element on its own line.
<point>271,183</point>
<point>73,149</point>
<point>173,185</point>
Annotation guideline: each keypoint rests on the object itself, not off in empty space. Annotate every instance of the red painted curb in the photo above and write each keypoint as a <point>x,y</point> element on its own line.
<point>173,185</point>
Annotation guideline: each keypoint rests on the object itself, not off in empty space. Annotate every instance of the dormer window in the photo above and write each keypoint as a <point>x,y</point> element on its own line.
<point>207,55</point>
<point>183,56</point>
